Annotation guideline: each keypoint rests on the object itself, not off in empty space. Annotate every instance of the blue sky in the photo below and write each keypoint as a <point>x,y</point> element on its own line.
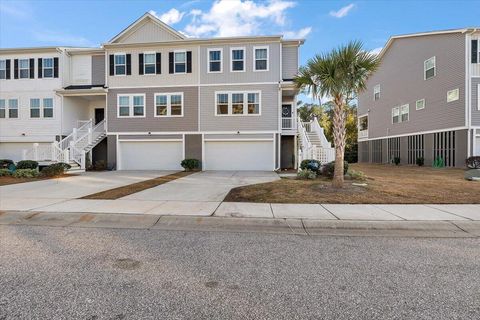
<point>325,24</point>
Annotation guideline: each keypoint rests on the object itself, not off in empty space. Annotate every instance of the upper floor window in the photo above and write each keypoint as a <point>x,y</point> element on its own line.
<point>132,105</point>
<point>363,123</point>
<point>420,104</point>
<point>237,103</point>
<point>260,62</point>
<point>404,112</point>
<point>215,60</point>
<point>396,115</point>
<point>376,92</point>
<point>48,108</point>
<point>180,61</point>
<point>3,69</point>
<point>47,67</point>
<point>2,108</point>
<point>429,68</point>
<point>149,63</point>
<point>34,108</point>
<point>120,64</point>
<point>237,56</point>
<point>13,108</point>
<point>453,95</point>
<point>169,104</point>
<point>475,51</point>
<point>24,68</point>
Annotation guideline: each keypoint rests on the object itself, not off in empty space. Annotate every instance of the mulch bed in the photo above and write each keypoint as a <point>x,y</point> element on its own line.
<point>7,180</point>
<point>120,192</point>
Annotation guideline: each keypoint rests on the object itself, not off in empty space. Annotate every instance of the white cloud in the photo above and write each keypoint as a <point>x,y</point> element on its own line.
<point>19,10</point>
<point>300,34</point>
<point>343,12</point>
<point>61,38</point>
<point>228,18</point>
<point>170,17</point>
<point>376,50</point>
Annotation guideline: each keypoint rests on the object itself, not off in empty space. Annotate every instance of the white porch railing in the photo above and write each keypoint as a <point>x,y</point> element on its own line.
<point>319,148</point>
<point>288,123</point>
<point>362,134</point>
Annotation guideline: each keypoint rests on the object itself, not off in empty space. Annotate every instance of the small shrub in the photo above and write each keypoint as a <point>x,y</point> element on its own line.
<point>27,164</point>
<point>5,172</point>
<point>26,173</point>
<point>420,161</point>
<point>329,169</point>
<point>310,164</point>
<point>56,169</point>
<point>5,163</point>
<point>190,164</point>
<point>100,165</point>
<point>306,174</point>
<point>473,162</point>
<point>357,175</point>
<point>438,163</point>
<point>396,161</point>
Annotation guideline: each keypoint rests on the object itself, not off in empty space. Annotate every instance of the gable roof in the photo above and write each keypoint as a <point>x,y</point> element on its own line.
<point>420,34</point>
<point>147,17</point>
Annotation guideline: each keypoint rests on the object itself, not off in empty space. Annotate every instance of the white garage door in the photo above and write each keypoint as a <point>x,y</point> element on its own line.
<point>239,155</point>
<point>477,151</point>
<point>150,155</point>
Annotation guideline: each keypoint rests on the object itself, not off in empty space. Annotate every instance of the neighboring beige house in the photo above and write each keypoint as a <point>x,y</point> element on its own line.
<point>151,97</point>
<point>424,100</point>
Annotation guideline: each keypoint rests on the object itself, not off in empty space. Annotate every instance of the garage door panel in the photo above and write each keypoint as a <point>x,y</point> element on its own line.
<point>150,155</point>
<point>239,155</point>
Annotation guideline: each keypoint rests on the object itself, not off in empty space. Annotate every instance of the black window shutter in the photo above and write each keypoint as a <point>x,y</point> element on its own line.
<point>129,64</point>
<point>7,69</point>
<point>189,61</point>
<point>158,62</point>
<point>170,62</point>
<point>474,51</point>
<point>32,68</point>
<point>140,63</point>
<point>40,71</point>
<point>112,65</point>
<point>15,68</point>
<point>55,67</point>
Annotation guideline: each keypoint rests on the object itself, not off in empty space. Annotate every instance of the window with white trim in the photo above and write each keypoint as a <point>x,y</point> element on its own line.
<point>453,95</point>
<point>429,68</point>
<point>404,112</point>
<point>13,108</point>
<point>376,92</point>
<point>237,57</point>
<point>169,104</point>
<point>24,68</point>
<point>396,115</point>
<point>132,105</point>
<point>237,103</point>
<point>120,60</point>
<point>47,67</point>
<point>35,108</point>
<point>3,69</point>
<point>260,61</point>
<point>363,123</point>
<point>48,108</point>
<point>214,60</point>
<point>180,61</point>
<point>149,63</point>
<point>3,109</point>
<point>420,104</point>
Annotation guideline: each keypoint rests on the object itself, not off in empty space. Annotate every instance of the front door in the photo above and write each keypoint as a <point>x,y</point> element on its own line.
<point>99,115</point>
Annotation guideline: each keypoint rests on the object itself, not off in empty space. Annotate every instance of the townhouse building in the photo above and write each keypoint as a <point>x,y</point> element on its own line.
<point>424,100</point>
<point>149,98</point>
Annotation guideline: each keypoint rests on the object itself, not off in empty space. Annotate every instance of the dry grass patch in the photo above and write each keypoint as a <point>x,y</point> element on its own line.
<point>120,192</point>
<point>6,180</point>
<point>385,184</point>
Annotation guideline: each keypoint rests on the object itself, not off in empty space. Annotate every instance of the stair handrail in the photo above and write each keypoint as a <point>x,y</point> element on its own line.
<point>65,142</point>
<point>316,128</point>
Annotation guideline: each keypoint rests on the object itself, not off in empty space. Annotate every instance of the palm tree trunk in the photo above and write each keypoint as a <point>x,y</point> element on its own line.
<point>339,141</point>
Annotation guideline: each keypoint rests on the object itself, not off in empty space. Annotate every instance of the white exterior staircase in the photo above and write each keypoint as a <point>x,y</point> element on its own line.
<point>313,143</point>
<point>73,148</point>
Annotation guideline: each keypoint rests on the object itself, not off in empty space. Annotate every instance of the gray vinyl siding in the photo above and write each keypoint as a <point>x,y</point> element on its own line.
<point>98,70</point>
<point>189,121</point>
<point>148,32</point>
<point>193,146</point>
<point>111,151</point>
<point>272,75</point>
<point>401,78</point>
<point>289,62</point>
<point>156,80</point>
<point>475,106</point>
<point>267,121</point>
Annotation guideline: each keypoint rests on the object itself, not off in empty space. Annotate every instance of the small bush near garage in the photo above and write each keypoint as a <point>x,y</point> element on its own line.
<point>56,169</point>
<point>329,169</point>
<point>473,162</point>
<point>306,174</point>
<point>26,173</point>
<point>27,164</point>
<point>190,164</point>
<point>5,173</point>
<point>420,161</point>
<point>5,163</point>
<point>310,164</point>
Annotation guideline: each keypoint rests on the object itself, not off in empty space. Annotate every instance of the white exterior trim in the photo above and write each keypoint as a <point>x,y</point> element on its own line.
<point>199,85</point>
<point>254,58</point>
<point>169,104</point>
<point>156,140</point>
<point>208,60</point>
<point>245,103</point>
<point>154,64</point>
<point>414,133</point>
<point>175,63</point>
<point>191,132</point>
<point>115,64</point>
<point>130,105</point>
<point>244,59</point>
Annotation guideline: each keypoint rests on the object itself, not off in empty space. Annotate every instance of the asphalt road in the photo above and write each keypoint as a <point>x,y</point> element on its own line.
<point>75,273</point>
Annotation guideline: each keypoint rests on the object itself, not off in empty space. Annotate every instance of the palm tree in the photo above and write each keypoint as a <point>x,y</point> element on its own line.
<point>340,75</point>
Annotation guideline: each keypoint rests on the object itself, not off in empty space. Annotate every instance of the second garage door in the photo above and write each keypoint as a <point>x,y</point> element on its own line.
<point>150,155</point>
<point>239,155</point>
